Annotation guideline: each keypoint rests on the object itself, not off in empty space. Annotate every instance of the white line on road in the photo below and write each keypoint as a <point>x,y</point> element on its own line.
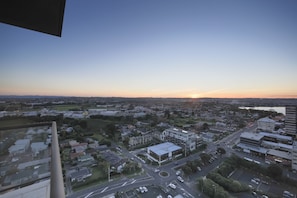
<point>89,194</point>
<point>124,184</point>
<point>104,189</point>
<point>133,181</point>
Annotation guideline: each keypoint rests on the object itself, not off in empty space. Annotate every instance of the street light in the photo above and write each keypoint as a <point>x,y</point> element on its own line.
<point>215,189</point>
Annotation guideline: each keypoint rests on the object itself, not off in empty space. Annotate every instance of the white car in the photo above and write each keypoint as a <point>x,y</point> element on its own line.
<point>254,181</point>
<point>178,172</point>
<point>141,189</point>
<point>171,185</point>
<point>179,178</point>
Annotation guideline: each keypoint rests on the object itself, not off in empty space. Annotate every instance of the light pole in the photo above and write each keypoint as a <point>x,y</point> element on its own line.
<point>108,171</point>
<point>215,189</point>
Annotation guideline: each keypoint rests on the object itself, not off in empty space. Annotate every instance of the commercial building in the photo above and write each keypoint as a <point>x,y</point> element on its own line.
<point>274,148</point>
<point>185,139</point>
<point>163,152</point>
<point>266,124</point>
<point>291,120</point>
<point>294,156</point>
<point>251,139</point>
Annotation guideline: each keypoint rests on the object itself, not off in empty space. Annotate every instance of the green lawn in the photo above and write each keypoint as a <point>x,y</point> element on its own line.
<point>14,122</point>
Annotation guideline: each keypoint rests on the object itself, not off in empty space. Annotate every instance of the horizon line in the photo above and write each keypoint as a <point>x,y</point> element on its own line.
<point>144,97</point>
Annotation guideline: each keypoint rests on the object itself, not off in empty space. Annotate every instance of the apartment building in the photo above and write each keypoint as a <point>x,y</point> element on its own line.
<point>291,120</point>
<point>185,139</point>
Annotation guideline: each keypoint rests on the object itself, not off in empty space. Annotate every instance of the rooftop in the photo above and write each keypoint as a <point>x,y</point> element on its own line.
<point>252,136</point>
<point>163,148</point>
<point>277,136</point>
<point>41,189</point>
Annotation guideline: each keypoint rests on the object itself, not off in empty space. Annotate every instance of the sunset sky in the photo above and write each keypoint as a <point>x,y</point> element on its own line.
<point>157,48</point>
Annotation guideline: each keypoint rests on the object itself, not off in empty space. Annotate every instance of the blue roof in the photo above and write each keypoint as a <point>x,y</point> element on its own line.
<point>166,147</point>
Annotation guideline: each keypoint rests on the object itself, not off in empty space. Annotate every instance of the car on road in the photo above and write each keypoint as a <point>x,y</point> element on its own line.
<point>179,178</point>
<point>171,185</point>
<point>178,172</point>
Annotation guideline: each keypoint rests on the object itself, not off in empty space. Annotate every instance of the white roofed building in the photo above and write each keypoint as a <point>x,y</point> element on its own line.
<point>20,146</point>
<point>163,152</point>
<point>36,147</point>
<point>266,124</point>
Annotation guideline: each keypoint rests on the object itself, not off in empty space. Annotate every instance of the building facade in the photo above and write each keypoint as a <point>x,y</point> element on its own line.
<point>266,124</point>
<point>186,139</point>
<point>163,152</point>
<point>294,156</point>
<point>291,120</point>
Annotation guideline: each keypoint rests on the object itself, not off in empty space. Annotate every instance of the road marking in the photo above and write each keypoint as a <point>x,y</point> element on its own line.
<point>89,194</point>
<point>104,189</point>
<point>133,181</point>
<point>124,184</point>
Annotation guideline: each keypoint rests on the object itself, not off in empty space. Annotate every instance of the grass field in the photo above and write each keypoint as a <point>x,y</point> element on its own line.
<point>14,122</point>
<point>97,124</point>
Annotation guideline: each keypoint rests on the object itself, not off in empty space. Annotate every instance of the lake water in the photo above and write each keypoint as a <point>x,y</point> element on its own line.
<point>276,109</point>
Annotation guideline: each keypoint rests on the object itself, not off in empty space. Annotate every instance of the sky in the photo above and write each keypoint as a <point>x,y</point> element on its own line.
<point>157,48</point>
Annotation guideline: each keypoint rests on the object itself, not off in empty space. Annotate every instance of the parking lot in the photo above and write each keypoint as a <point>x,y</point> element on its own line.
<point>261,184</point>
<point>152,192</point>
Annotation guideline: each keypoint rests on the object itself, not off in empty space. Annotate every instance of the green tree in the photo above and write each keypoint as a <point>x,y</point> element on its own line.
<point>221,150</point>
<point>274,171</point>
<point>205,126</point>
<point>205,157</point>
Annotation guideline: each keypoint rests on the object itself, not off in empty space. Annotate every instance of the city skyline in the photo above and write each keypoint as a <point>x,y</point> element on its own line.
<point>192,49</point>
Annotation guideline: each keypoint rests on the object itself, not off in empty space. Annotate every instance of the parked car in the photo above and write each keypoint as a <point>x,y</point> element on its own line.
<point>171,185</point>
<point>179,178</point>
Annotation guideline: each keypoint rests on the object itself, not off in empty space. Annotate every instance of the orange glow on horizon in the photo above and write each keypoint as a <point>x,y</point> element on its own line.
<point>153,94</point>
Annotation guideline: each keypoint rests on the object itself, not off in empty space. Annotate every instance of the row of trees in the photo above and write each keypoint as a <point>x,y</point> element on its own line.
<point>219,180</point>
<point>211,189</point>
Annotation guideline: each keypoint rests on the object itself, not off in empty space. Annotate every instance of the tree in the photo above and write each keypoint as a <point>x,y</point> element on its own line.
<point>274,171</point>
<point>187,170</point>
<point>221,150</point>
<point>111,130</point>
<point>205,126</point>
<point>205,157</point>
<point>167,113</point>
